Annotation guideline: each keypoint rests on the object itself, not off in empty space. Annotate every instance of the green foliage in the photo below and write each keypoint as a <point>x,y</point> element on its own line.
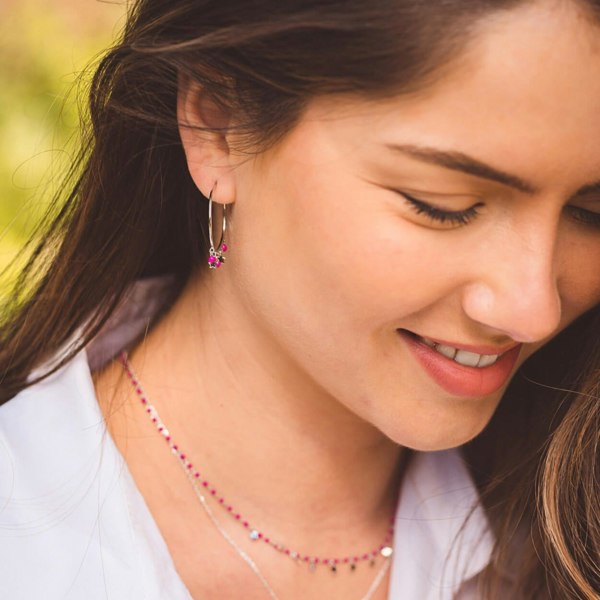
<point>43,48</point>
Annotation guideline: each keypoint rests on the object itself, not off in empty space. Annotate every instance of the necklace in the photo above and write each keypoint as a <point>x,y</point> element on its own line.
<point>201,487</point>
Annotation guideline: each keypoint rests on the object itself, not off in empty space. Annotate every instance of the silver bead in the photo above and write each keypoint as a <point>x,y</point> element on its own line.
<point>253,534</point>
<point>387,551</point>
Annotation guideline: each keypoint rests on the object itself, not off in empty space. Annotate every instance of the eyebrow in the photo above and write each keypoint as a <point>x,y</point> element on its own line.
<point>589,189</point>
<point>457,161</point>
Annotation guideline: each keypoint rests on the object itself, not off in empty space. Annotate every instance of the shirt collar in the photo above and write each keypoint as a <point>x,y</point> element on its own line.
<point>442,535</point>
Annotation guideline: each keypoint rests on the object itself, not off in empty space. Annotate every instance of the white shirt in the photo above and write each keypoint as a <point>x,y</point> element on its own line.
<point>73,524</point>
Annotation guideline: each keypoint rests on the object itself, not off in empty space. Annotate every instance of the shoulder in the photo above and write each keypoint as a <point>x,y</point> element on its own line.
<point>44,423</point>
<point>72,522</point>
<point>53,481</point>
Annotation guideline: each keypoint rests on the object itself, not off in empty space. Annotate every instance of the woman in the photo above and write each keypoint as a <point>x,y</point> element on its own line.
<point>305,389</point>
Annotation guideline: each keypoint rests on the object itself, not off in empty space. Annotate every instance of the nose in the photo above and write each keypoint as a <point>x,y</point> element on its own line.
<point>516,292</point>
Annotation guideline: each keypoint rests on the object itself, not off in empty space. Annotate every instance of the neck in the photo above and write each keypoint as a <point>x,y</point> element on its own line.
<point>272,441</point>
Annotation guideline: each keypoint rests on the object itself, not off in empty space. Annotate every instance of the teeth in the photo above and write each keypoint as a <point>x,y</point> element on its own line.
<point>447,351</point>
<point>469,359</point>
<point>462,357</point>
<point>487,359</point>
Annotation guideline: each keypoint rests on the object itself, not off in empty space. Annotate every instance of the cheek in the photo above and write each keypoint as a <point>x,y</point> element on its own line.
<point>334,252</point>
<point>579,280</point>
<point>348,263</point>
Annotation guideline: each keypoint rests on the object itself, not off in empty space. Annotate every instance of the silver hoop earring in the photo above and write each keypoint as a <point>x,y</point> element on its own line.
<point>215,253</point>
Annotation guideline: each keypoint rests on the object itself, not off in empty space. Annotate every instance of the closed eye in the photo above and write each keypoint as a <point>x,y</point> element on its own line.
<point>582,215</point>
<point>454,217</point>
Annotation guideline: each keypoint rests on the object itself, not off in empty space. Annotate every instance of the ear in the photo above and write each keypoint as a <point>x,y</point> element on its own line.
<point>202,126</point>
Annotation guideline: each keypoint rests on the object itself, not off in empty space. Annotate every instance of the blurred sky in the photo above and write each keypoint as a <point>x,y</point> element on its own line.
<point>43,45</point>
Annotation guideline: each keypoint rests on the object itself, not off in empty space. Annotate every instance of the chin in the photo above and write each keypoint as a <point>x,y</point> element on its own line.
<point>433,434</point>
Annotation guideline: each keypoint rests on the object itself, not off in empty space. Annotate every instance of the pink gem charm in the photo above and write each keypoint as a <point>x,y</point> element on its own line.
<point>216,258</point>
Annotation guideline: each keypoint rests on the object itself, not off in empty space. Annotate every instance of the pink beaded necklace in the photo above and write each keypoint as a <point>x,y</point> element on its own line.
<point>333,563</point>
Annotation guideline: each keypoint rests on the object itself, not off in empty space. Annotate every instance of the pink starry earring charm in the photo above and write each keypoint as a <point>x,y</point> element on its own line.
<point>215,253</point>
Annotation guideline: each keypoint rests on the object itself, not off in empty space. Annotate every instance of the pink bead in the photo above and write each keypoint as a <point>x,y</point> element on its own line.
<point>205,483</point>
<point>267,540</point>
<point>260,535</point>
<point>346,560</point>
<point>148,410</point>
<point>365,556</point>
<point>316,561</point>
<point>245,523</point>
<point>287,551</point>
<point>213,492</point>
<point>218,265</point>
<point>224,247</point>
<point>161,429</point>
<point>139,390</point>
<point>168,438</point>
<point>238,516</point>
<point>196,475</point>
<point>221,500</point>
<point>230,508</point>
<point>189,465</point>
<point>336,561</point>
<point>154,419</point>
<point>212,260</point>
<point>144,401</point>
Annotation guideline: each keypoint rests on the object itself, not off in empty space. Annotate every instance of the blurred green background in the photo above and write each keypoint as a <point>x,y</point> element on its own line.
<point>43,47</point>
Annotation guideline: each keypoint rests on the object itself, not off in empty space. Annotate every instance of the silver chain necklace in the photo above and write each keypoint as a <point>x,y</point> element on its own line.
<point>250,562</point>
<point>386,553</point>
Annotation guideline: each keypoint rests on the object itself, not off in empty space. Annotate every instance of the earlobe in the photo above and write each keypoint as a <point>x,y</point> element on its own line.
<point>202,128</point>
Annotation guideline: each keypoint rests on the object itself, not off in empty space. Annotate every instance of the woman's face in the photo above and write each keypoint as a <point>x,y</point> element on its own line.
<point>467,217</point>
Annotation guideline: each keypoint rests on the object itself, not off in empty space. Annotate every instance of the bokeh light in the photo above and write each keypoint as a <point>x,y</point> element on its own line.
<point>44,46</point>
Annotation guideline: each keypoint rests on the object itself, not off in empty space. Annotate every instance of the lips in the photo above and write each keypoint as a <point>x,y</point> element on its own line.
<point>465,371</point>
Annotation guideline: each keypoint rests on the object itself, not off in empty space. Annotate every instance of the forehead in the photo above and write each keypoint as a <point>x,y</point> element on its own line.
<point>525,96</point>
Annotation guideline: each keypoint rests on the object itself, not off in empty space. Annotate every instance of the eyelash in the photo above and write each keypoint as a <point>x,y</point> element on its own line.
<point>587,217</point>
<point>455,217</point>
<point>464,217</point>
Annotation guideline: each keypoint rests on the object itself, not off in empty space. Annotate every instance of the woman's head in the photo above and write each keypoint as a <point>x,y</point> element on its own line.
<point>335,269</point>
<point>313,119</point>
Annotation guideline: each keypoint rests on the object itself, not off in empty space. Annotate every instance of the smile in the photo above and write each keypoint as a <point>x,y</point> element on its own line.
<point>462,357</point>
<point>469,371</point>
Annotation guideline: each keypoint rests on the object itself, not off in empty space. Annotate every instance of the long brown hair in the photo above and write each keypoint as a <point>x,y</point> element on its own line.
<point>130,210</point>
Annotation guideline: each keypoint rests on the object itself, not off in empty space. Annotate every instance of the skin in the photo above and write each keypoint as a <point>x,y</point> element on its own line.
<point>290,351</point>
